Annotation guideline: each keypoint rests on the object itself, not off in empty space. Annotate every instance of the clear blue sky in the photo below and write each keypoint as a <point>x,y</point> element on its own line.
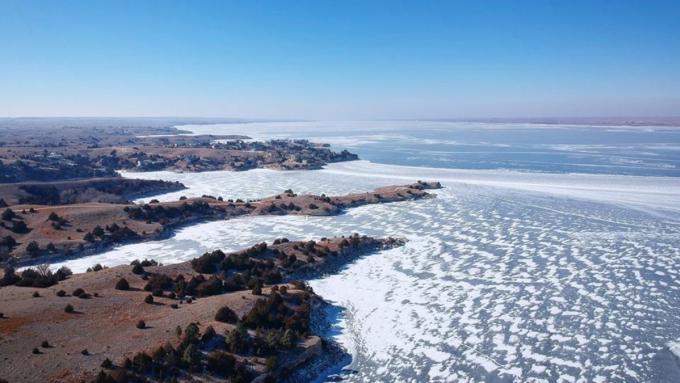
<point>340,59</point>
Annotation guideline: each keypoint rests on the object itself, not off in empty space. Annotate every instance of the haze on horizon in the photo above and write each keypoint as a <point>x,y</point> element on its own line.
<point>340,60</point>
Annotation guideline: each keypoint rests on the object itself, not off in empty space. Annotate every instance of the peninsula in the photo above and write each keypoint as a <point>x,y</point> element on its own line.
<point>241,316</point>
<point>33,234</point>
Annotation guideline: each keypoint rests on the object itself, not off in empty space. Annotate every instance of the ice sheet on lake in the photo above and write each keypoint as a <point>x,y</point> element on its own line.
<point>506,275</point>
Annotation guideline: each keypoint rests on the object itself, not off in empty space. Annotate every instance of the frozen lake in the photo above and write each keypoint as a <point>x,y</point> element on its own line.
<point>533,275</point>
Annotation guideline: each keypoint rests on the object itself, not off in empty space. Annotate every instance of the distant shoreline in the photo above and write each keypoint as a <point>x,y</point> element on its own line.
<point>177,122</point>
<point>670,122</point>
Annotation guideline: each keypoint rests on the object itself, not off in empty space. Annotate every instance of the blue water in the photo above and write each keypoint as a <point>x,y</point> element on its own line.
<point>643,151</point>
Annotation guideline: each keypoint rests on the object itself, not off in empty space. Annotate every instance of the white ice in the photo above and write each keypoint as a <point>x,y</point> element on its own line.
<point>534,277</point>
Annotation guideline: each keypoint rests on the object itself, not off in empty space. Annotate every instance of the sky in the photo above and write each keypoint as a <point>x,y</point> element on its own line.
<point>340,59</point>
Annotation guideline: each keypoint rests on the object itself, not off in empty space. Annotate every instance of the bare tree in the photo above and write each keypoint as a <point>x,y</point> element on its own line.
<point>44,270</point>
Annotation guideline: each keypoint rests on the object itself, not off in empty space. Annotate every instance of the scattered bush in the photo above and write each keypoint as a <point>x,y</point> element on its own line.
<point>68,308</point>
<point>20,227</point>
<point>148,299</point>
<point>208,334</point>
<point>238,340</point>
<point>36,294</point>
<point>8,241</point>
<point>207,262</point>
<point>45,344</point>
<point>98,231</point>
<point>8,214</point>
<point>221,363</point>
<point>36,351</point>
<point>226,315</point>
<point>61,293</point>
<point>63,273</point>
<point>122,284</point>
<point>107,363</point>
<point>95,268</point>
<point>141,324</point>
<point>191,357</point>
<point>158,282</point>
<point>32,248</point>
<point>138,269</point>
<point>78,292</point>
<point>192,332</point>
<point>9,277</point>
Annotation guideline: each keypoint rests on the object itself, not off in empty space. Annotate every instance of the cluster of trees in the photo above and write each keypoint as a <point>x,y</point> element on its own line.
<point>289,261</point>
<point>278,325</point>
<point>282,208</point>
<point>158,282</point>
<point>310,249</point>
<point>113,233</point>
<point>212,262</point>
<point>165,214</point>
<point>41,276</point>
<point>7,243</point>
<point>355,241</point>
<point>80,293</point>
<point>56,220</point>
<point>279,321</point>
<point>279,241</point>
<point>95,268</point>
<point>17,225</point>
<point>256,265</point>
<point>241,270</point>
<point>162,285</point>
<point>8,214</point>
<point>138,266</point>
<point>273,313</point>
<point>167,362</point>
<point>265,342</point>
<point>40,195</point>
